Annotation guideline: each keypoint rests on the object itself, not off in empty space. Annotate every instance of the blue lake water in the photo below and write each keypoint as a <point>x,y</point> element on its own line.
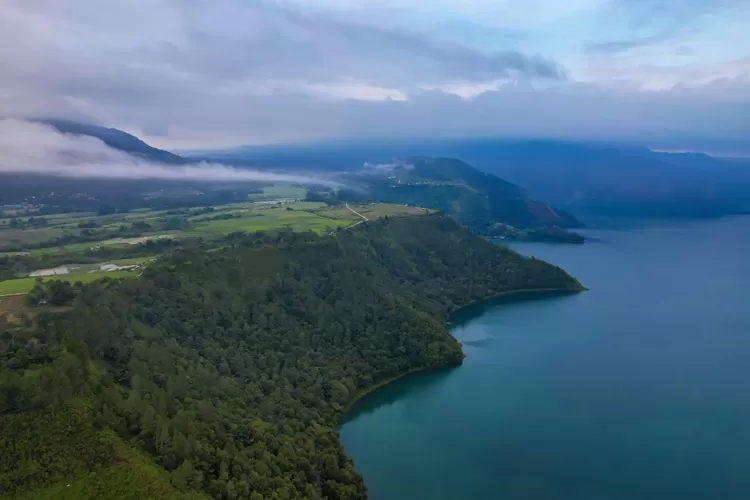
<point>637,389</point>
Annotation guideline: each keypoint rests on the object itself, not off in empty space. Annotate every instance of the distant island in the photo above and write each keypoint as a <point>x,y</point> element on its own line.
<point>223,374</point>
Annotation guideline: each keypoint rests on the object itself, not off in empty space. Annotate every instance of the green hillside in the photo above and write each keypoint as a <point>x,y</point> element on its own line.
<point>231,369</point>
<point>481,201</point>
<point>60,453</point>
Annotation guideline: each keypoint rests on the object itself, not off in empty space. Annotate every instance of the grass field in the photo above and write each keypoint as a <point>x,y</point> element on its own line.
<point>24,285</point>
<point>82,247</point>
<point>300,216</point>
<point>376,211</point>
<point>247,217</point>
<point>28,236</point>
<point>279,192</point>
<point>60,224</point>
<point>266,220</point>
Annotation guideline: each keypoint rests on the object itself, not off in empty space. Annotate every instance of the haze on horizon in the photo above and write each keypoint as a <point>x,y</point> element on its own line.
<point>193,74</point>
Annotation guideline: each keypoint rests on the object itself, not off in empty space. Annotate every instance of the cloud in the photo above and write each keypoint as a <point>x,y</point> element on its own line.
<point>229,43</point>
<point>33,148</point>
<point>712,111</point>
<point>676,9</point>
<point>192,74</point>
<point>616,46</point>
<point>386,167</point>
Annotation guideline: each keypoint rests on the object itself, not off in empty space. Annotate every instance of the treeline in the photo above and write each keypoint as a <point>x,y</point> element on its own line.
<point>51,195</point>
<point>20,223</point>
<point>233,367</point>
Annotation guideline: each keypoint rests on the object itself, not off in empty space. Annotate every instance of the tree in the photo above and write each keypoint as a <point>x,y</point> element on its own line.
<point>185,476</point>
<point>232,367</point>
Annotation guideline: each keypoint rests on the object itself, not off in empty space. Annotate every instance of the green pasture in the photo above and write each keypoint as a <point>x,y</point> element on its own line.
<point>24,285</point>
<point>279,192</point>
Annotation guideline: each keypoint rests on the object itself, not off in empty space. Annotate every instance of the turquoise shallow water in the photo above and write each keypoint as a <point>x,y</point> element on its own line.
<point>637,389</point>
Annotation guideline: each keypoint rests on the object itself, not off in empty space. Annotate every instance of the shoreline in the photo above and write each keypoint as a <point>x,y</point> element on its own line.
<point>362,394</point>
<point>520,291</point>
<point>348,410</point>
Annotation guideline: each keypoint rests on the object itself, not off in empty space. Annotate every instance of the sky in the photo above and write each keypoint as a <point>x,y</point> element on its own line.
<point>205,74</point>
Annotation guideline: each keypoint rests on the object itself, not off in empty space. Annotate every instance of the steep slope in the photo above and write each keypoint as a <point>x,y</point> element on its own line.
<point>481,201</point>
<point>232,368</point>
<point>117,139</point>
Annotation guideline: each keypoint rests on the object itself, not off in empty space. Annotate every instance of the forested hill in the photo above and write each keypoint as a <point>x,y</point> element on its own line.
<point>232,368</point>
<point>481,201</point>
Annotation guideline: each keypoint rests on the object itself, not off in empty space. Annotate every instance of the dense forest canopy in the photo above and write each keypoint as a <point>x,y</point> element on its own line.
<point>232,368</point>
<point>43,194</point>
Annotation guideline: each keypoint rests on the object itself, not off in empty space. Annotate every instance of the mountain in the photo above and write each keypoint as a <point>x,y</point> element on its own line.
<point>117,139</point>
<point>487,204</point>
<point>611,180</point>
<point>607,179</point>
<point>230,370</point>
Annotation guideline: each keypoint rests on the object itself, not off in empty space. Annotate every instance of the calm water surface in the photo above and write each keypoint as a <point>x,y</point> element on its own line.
<point>638,389</point>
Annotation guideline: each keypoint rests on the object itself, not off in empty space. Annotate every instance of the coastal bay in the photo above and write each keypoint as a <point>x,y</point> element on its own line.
<point>635,389</point>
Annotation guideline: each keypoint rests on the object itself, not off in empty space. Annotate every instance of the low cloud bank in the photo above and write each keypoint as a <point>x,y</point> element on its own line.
<point>34,148</point>
<point>388,167</point>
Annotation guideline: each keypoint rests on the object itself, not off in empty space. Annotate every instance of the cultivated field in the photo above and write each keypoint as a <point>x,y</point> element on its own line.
<point>24,285</point>
<point>277,207</point>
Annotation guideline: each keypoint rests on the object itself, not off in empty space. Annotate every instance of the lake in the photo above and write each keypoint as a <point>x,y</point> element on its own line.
<point>637,389</point>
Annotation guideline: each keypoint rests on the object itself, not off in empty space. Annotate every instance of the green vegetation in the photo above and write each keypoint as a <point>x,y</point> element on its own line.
<point>300,216</point>
<point>481,201</point>
<point>232,368</point>
<point>16,266</point>
<point>120,230</point>
<point>62,215</point>
<point>373,211</point>
<point>111,238</point>
<point>279,192</point>
<point>133,261</point>
<point>24,285</point>
<point>60,453</point>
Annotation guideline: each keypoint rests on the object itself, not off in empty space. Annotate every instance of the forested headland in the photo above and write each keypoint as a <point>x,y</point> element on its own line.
<point>224,373</point>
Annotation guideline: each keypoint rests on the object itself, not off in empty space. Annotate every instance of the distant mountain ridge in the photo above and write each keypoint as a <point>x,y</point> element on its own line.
<point>618,180</point>
<point>116,139</point>
<point>606,179</point>
<point>581,177</point>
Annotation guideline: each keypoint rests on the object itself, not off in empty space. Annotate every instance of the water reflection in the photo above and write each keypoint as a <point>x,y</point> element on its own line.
<point>468,314</point>
<point>412,386</point>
